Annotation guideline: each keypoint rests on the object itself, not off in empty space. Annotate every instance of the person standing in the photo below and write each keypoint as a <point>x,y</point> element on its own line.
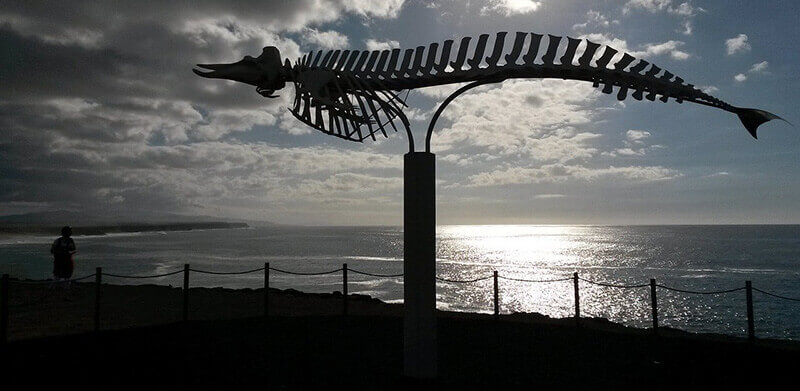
<point>63,249</point>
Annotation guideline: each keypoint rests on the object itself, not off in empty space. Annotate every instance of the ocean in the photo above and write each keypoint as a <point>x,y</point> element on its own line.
<point>696,258</point>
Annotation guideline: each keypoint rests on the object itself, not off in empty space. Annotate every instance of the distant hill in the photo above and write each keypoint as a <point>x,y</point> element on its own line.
<point>72,218</point>
<point>43,229</point>
<point>50,223</point>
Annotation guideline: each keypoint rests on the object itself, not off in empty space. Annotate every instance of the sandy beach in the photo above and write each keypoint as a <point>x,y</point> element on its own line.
<point>306,343</point>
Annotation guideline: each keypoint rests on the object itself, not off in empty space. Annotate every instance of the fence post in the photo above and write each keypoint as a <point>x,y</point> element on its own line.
<point>98,279</point>
<point>751,330</point>
<point>577,299</point>
<point>496,298</point>
<point>344,289</point>
<point>655,305</point>
<point>4,309</point>
<point>185,292</point>
<point>266,289</point>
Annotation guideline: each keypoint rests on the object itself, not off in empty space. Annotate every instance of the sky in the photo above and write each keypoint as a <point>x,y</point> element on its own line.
<point>101,114</point>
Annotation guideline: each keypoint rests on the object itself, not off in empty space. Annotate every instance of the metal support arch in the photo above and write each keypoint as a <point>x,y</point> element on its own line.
<point>447,101</point>
<point>407,125</point>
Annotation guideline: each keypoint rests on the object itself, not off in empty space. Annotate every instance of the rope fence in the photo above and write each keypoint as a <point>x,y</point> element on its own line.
<point>377,275</point>
<point>462,281</point>
<point>541,281</point>
<point>144,277</point>
<point>44,282</point>
<point>701,292</point>
<point>226,273</point>
<point>186,270</point>
<point>306,273</point>
<point>776,296</point>
<point>609,285</point>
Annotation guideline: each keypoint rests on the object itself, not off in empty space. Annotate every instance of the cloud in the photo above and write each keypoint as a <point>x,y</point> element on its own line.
<point>386,9</point>
<point>511,7</point>
<point>737,44</point>
<point>708,89</point>
<point>637,136</point>
<point>595,19</point>
<point>669,47</point>
<point>326,39</point>
<point>345,183</point>
<point>373,44</point>
<point>560,137</point>
<point>684,10</point>
<point>223,122</point>
<point>548,196</point>
<point>688,28</point>
<point>64,35</point>
<point>480,119</point>
<point>104,113</point>
<point>758,67</point>
<point>82,15</point>
<point>635,144</point>
<point>755,69</point>
<point>607,39</point>
<point>648,50</point>
<point>560,173</point>
<point>651,6</point>
<point>129,176</point>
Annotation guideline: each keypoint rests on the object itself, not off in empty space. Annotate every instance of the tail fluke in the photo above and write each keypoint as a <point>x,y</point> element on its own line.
<point>753,118</point>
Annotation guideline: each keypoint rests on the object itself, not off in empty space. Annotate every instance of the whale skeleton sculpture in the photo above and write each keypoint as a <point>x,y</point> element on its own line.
<point>355,94</point>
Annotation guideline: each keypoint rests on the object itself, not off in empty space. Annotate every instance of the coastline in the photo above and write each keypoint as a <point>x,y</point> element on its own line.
<point>105,229</point>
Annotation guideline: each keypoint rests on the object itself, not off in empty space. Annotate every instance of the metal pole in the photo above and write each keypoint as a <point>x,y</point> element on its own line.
<point>344,289</point>
<point>655,305</point>
<point>4,309</point>
<point>751,329</point>
<point>98,279</point>
<point>496,298</point>
<point>419,266</point>
<point>266,289</point>
<point>185,292</point>
<point>577,299</point>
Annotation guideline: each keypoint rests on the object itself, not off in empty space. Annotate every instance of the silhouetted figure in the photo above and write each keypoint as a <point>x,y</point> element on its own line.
<point>63,249</point>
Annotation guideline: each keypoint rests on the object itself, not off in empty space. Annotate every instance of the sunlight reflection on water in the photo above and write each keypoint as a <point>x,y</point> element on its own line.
<point>684,258</point>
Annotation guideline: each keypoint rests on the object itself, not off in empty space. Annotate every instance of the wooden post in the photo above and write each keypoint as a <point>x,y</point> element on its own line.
<point>4,309</point>
<point>751,329</point>
<point>185,292</point>
<point>577,299</point>
<point>496,298</point>
<point>344,289</point>
<point>266,289</point>
<point>655,305</point>
<point>98,279</point>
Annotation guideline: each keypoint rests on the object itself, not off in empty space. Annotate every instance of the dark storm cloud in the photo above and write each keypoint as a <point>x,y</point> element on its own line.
<point>144,61</point>
<point>100,110</point>
<point>57,17</point>
<point>110,49</point>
